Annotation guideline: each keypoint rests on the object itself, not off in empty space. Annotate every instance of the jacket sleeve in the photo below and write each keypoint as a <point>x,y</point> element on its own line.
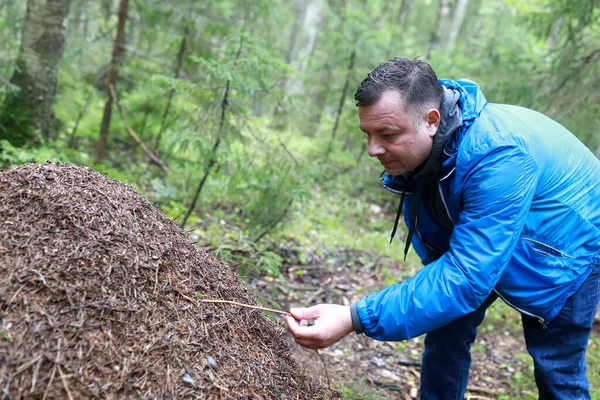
<point>495,200</point>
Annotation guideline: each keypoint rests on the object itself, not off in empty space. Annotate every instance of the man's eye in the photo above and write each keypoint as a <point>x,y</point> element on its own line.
<point>389,136</point>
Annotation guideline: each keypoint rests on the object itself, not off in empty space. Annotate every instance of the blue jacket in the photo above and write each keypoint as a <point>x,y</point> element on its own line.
<point>523,195</point>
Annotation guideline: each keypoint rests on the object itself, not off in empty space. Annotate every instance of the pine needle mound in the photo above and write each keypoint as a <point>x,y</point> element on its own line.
<point>97,300</point>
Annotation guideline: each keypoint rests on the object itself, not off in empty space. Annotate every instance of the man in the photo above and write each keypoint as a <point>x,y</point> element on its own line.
<point>499,201</point>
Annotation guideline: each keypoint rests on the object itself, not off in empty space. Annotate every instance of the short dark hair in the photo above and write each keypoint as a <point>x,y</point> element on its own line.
<point>415,80</point>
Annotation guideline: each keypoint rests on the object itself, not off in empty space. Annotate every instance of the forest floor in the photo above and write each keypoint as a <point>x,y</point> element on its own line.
<point>362,368</point>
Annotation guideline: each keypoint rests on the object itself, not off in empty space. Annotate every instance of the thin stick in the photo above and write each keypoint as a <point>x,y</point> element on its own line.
<point>248,306</point>
<point>325,367</point>
<point>481,390</point>
<point>135,137</point>
<point>35,375</point>
<point>50,381</point>
<point>15,295</point>
<point>64,381</point>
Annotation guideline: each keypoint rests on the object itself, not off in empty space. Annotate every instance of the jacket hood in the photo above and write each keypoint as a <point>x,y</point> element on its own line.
<point>471,101</point>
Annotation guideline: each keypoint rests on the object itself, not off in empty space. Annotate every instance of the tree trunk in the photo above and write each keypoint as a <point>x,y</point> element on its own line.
<point>457,21</point>
<point>312,19</point>
<point>439,27</point>
<point>113,74</point>
<point>554,37</point>
<point>144,121</point>
<point>27,115</point>
<point>82,111</point>
<point>320,100</point>
<point>172,90</point>
<point>404,13</point>
<point>86,21</point>
<point>299,13</point>
<point>342,101</point>
<point>292,84</point>
<point>106,9</point>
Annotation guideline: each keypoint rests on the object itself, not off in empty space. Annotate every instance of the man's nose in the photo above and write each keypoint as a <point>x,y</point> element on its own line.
<point>375,148</point>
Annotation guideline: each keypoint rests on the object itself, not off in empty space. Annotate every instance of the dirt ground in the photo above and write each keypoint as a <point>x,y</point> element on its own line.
<point>385,369</point>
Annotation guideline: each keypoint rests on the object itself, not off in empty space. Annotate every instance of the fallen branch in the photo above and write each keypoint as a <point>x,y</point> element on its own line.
<point>481,390</point>
<point>135,137</point>
<point>50,381</point>
<point>385,385</point>
<point>64,381</point>
<point>247,306</point>
<point>415,364</point>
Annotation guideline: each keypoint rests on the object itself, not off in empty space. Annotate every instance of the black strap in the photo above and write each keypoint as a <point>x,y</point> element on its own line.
<point>398,215</point>
<point>413,217</point>
<point>432,201</point>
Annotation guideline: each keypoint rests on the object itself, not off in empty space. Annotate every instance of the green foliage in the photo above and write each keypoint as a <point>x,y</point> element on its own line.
<point>12,16</point>
<point>356,391</point>
<point>17,123</point>
<point>593,365</point>
<point>234,245</point>
<point>13,155</point>
<point>501,316</point>
<point>6,335</point>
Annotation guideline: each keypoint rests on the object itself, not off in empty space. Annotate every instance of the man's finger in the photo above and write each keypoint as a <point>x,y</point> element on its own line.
<point>292,324</point>
<point>309,333</point>
<point>305,313</point>
<point>302,331</point>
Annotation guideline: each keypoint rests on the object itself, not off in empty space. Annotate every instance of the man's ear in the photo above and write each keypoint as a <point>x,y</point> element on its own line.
<point>433,121</point>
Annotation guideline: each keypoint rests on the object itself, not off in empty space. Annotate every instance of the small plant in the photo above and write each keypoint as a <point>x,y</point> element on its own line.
<point>356,391</point>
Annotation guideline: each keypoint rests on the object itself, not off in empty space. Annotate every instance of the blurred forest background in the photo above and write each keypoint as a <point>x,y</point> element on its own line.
<point>237,117</point>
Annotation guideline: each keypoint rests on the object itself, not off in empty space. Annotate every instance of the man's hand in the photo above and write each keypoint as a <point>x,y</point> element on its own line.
<point>331,323</point>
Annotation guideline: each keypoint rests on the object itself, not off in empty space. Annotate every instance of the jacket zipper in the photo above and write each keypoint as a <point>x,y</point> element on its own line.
<point>442,194</point>
<point>447,212</point>
<point>540,319</point>
<point>547,246</point>
<point>425,242</point>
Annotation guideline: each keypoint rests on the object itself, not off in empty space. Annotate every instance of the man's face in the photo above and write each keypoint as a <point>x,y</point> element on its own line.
<point>400,142</point>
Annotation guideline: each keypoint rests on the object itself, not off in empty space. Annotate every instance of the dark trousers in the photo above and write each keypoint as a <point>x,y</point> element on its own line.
<point>558,351</point>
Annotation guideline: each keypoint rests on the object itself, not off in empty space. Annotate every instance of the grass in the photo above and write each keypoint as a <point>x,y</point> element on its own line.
<point>593,366</point>
<point>356,391</point>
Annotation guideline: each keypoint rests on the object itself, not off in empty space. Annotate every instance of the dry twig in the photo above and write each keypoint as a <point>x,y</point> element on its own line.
<point>135,137</point>
<point>248,306</point>
<point>325,367</point>
<point>64,381</point>
<point>481,390</point>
